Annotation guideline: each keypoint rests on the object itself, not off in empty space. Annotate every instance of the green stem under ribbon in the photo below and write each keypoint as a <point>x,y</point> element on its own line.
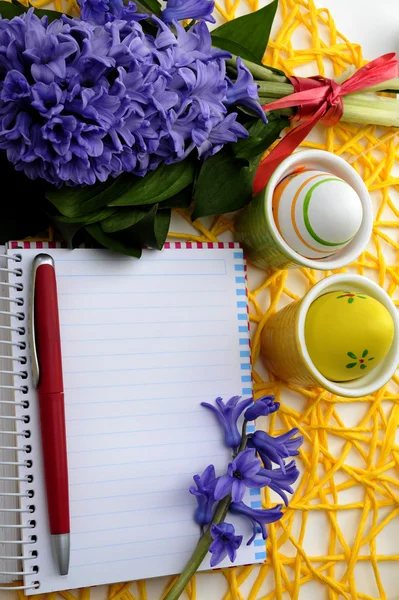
<point>258,71</point>
<point>361,107</point>
<point>202,547</point>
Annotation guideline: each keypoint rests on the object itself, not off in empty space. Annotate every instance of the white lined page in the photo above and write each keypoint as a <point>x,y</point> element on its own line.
<point>143,343</point>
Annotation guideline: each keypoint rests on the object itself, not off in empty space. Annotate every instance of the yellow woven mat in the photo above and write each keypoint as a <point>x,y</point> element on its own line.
<point>347,498</point>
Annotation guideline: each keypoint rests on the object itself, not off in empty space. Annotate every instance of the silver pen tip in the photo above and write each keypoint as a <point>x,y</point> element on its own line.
<point>61,551</point>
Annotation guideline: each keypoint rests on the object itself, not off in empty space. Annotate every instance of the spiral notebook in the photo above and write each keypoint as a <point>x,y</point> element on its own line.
<point>143,342</point>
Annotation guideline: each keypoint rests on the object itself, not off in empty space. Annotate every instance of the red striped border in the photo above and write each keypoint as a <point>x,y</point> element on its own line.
<point>167,246</point>
<point>35,245</point>
<point>201,245</point>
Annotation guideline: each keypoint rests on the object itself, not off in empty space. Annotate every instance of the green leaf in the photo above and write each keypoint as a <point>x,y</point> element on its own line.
<point>247,36</point>
<point>351,355</point>
<point>351,300</point>
<point>363,367</point>
<point>123,219</point>
<point>110,242</point>
<point>365,352</point>
<point>9,10</point>
<point>224,184</point>
<point>163,183</point>
<point>80,202</point>
<point>70,226</point>
<point>151,231</point>
<point>181,200</point>
<point>261,137</point>
<point>154,230</point>
<point>153,6</point>
<point>351,365</point>
<point>233,47</point>
<point>27,217</point>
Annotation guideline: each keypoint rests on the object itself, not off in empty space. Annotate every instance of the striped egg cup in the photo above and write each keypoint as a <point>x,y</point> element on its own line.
<point>256,229</point>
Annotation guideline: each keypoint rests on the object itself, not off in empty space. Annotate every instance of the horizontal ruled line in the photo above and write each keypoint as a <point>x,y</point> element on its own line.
<point>163,398</point>
<point>92,387</point>
<point>142,462</point>
<point>168,367</point>
<point>140,477</point>
<point>151,353</point>
<point>140,446</point>
<point>168,322</point>
<point>170,537</point>
<point>139,494</point>
<point>156,337</point>
<point>163,307</point>
<point>187,552</point>
<point>104,433</point>
<point>124,275</point>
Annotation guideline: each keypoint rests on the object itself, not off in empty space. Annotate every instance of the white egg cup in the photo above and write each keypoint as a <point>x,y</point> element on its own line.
<point>285,352</point>
<point>257,231</point>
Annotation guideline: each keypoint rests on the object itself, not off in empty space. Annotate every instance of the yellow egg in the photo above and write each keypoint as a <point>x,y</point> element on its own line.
<point>347,334</point>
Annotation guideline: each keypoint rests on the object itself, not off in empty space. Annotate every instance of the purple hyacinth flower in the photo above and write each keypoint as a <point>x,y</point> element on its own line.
<point>280,482</point>
<point>15,87</point>
<point>204,492</point>
<point>94,11</point>
<point>258,517</point>
<point>244,91</point>
<point>228,415</point>
<point>227,130</point>
<point>48,100</point>
<point>225,543</point>
<point>275,449</point>
<point>179,10</point>
<point>243,472</point>
<point>59,131</point>
<point>263,407</point>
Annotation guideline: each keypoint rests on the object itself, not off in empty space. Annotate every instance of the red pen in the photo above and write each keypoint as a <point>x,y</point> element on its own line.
<point>47,377</point>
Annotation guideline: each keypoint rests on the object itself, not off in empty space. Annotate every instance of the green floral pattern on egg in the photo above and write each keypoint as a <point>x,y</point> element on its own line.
<point>359,361</point>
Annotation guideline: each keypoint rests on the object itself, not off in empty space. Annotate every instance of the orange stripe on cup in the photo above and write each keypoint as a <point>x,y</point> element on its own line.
<point>279,189</point>
<point>293,206</point>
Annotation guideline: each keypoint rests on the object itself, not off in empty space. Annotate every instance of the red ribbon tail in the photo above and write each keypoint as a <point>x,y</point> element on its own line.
<point>283,149</point>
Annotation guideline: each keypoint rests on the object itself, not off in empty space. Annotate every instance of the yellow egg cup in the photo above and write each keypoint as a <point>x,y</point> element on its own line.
<point>285,353</point>
<point>347,334</point>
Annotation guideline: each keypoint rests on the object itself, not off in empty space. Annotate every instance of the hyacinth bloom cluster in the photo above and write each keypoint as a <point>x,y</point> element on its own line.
<point>84,99</point>
<point>251,467</point>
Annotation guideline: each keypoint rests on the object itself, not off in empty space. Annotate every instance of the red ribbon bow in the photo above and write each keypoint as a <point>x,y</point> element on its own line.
<point>319,99</point>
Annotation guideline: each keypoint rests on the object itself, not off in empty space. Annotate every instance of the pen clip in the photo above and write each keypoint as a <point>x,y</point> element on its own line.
<point>39,259</point>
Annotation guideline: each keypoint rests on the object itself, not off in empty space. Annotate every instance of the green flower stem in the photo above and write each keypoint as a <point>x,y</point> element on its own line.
<point>199,553</point>
<point>274,89</point>
<point>368,109</point>
<point>363,108</point>
<point>258,71</point>
<point>283,112</point>
<point>391,84</point>
<point>202,547</point>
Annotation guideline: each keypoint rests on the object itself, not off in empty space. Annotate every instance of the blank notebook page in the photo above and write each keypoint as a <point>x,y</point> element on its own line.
<point>144,342</point>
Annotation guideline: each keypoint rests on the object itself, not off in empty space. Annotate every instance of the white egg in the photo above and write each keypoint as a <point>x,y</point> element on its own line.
<point>316,213</point>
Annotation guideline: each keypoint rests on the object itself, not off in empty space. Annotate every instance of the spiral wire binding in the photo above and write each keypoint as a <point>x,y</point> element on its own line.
<point>10,492</point>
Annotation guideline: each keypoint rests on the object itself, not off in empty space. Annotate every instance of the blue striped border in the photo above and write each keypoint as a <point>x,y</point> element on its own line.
<point>246,376</point>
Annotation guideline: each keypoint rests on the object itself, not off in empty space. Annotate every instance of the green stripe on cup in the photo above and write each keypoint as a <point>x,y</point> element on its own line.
<point>308,226</point>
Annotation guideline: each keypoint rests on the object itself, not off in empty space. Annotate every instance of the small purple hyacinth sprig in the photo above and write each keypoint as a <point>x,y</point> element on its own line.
<point>251,467</point>
<point>225,543</point>
<point>204,492</point>
<point>228,415</point>
<point>244,472</point>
